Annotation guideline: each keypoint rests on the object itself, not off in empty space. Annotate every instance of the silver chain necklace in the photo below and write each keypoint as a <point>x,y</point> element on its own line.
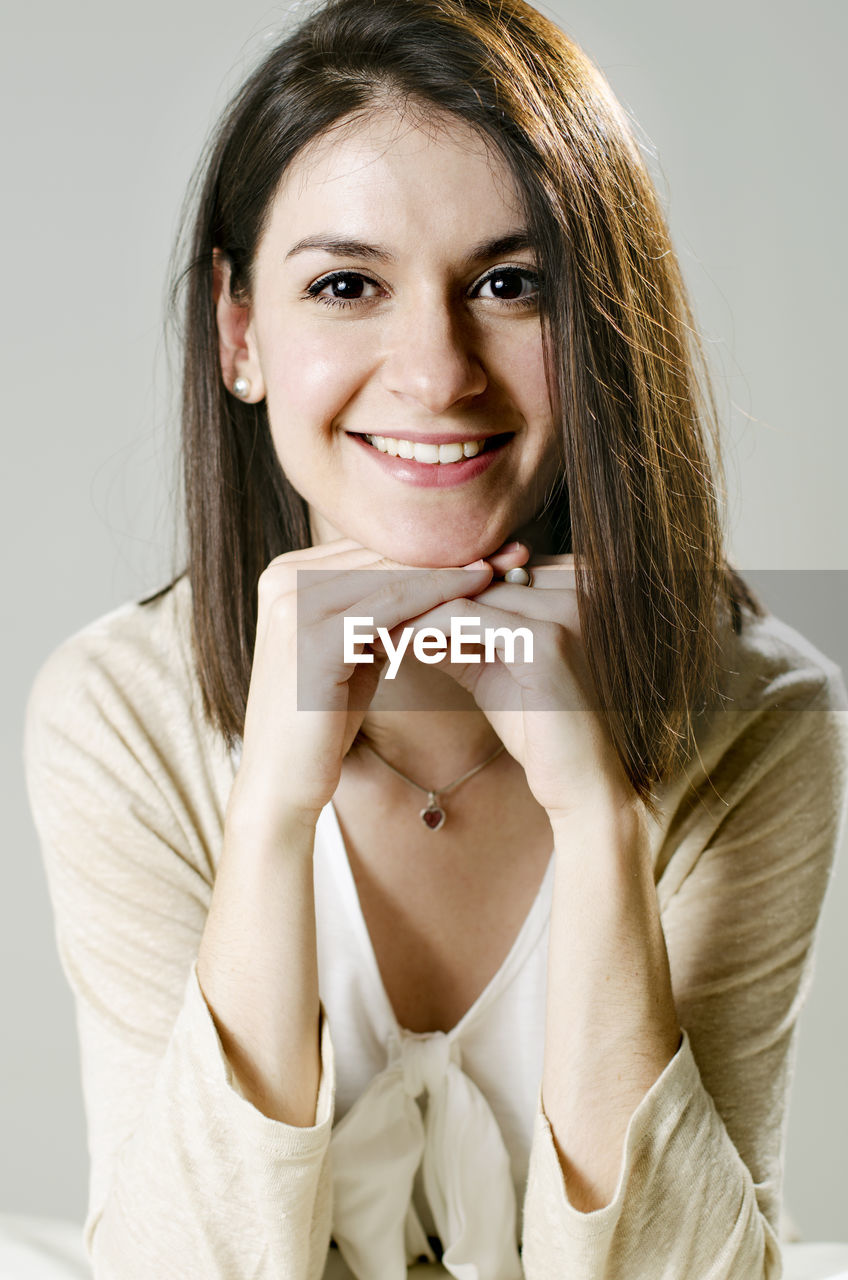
<point>434,815</point>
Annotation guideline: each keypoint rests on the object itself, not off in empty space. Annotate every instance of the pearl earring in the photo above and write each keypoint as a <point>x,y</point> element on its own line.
<point>241,388</point>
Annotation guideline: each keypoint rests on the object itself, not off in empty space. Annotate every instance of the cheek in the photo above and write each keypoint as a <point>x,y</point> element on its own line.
<point>309,377</point>
<point>522,366</point>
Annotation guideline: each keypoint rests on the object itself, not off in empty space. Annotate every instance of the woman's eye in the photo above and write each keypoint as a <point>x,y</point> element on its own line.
<point>343,288</point>
<point>513,286</point>
<point>510,284</point>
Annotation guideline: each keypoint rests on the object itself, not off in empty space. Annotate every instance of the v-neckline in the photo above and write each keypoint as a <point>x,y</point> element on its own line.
<point>525,942</point>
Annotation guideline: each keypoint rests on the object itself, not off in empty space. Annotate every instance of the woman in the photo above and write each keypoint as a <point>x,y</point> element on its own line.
<point>439,365</point>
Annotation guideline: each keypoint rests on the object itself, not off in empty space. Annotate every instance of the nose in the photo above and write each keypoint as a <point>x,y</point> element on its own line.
<point>430,358</point>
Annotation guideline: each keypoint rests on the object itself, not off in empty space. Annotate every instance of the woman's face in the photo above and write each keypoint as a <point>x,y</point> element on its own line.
<point>395,295</point>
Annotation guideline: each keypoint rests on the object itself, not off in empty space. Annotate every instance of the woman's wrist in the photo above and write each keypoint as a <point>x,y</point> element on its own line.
<point>281,829</point>
<point>606,815</point>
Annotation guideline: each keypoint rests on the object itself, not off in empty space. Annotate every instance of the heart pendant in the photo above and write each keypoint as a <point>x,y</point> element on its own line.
<point>433,816</point>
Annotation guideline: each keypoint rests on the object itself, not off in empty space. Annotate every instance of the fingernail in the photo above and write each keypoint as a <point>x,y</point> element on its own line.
<point>476,564</point>
<point>510,546</point>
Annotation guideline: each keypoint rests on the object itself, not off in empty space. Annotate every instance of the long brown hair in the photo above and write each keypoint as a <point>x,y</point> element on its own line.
<point>638,498</point>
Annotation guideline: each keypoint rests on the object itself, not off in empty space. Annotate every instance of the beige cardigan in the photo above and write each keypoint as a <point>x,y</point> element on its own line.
<point>129,785</point>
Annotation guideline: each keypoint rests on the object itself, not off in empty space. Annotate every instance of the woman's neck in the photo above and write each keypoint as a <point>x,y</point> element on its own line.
<point>427,725</point>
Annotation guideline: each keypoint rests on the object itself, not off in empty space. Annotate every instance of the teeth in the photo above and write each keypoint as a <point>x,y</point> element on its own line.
<point>429,453</point>
<point>450,452</point>
<point>426,452</point>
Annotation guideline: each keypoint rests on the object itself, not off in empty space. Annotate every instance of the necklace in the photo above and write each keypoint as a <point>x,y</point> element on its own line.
<point>434,815</point>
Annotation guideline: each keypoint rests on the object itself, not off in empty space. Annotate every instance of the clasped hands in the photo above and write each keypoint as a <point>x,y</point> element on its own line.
<point>545,711</point>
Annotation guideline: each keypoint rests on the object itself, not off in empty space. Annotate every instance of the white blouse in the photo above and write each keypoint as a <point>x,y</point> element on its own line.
<point>433,1130</point>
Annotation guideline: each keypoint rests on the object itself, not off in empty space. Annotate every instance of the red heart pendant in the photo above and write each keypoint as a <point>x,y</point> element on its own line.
<point>433,817</point>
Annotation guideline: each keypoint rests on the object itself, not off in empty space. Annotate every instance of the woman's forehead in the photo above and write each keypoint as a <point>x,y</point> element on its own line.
<point>400,168</point>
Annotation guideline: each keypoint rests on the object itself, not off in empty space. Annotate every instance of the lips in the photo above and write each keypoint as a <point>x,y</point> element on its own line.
<point>436,475</point>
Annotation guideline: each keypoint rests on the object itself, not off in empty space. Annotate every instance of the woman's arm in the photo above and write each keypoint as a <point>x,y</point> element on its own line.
<point>258,967</point>
<point>684,1179</point>
<point>611,1025</point>
<point>128,788</point>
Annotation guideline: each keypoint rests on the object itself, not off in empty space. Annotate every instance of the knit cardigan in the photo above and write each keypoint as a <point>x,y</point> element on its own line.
<point>129,784</point>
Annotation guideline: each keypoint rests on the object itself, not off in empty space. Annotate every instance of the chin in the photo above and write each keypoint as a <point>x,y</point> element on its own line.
<point>442,557</point>
<point>429,548</point>
<point>421,544</point>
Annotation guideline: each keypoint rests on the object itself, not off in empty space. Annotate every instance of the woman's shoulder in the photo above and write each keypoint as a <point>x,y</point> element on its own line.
<point>125,680</point>
<point>127,783</point>
<point>767,663</point>
<point>770,765</point>
<point>140,642</point>
<point>781,711</point>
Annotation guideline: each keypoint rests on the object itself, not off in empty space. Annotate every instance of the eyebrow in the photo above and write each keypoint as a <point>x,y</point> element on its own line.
<point>342,247</point>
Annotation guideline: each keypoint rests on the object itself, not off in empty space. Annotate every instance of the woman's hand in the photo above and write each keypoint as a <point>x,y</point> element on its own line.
<point>305,704</point>
<point>545,711</point>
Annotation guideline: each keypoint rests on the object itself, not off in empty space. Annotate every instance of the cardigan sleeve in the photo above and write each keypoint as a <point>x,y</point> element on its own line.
<point>699,1188</point>
<point>188,1179</point>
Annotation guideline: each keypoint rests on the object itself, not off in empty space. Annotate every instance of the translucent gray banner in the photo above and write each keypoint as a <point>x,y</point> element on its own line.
<point>339,616</point>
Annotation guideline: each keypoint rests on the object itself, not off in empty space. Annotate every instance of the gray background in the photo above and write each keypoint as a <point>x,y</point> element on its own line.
<point>105,108</point>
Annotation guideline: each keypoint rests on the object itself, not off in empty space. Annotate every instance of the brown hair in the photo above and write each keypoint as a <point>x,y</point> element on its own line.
<point>628,375</point>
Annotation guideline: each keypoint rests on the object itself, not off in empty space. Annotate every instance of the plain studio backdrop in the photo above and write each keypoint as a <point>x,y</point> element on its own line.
<point>106,107</point>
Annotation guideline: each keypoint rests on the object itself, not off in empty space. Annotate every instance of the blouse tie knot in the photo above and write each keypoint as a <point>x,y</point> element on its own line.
<point>424,1060</point>
<point>378,1147</point>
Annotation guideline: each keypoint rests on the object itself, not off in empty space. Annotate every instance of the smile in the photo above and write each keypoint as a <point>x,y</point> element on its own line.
<point>428,464</point>
<point>432,454</point>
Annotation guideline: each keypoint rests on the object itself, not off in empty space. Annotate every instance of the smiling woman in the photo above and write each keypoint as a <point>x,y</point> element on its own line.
<point>439,369</point>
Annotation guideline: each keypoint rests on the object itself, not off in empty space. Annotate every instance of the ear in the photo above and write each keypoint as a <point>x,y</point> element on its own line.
<point>236,343</point>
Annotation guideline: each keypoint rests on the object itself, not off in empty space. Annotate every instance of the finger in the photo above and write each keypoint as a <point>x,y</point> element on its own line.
<point>344,553</point>
<point>296,572</point>
<point>318,552</point>
<point>510,556</point>
<point>555,562</point>
<point>485,616</point>
<point>503,604</point>
<point>546,663</point>
<point>552,599</point>
<point>386,597</point>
